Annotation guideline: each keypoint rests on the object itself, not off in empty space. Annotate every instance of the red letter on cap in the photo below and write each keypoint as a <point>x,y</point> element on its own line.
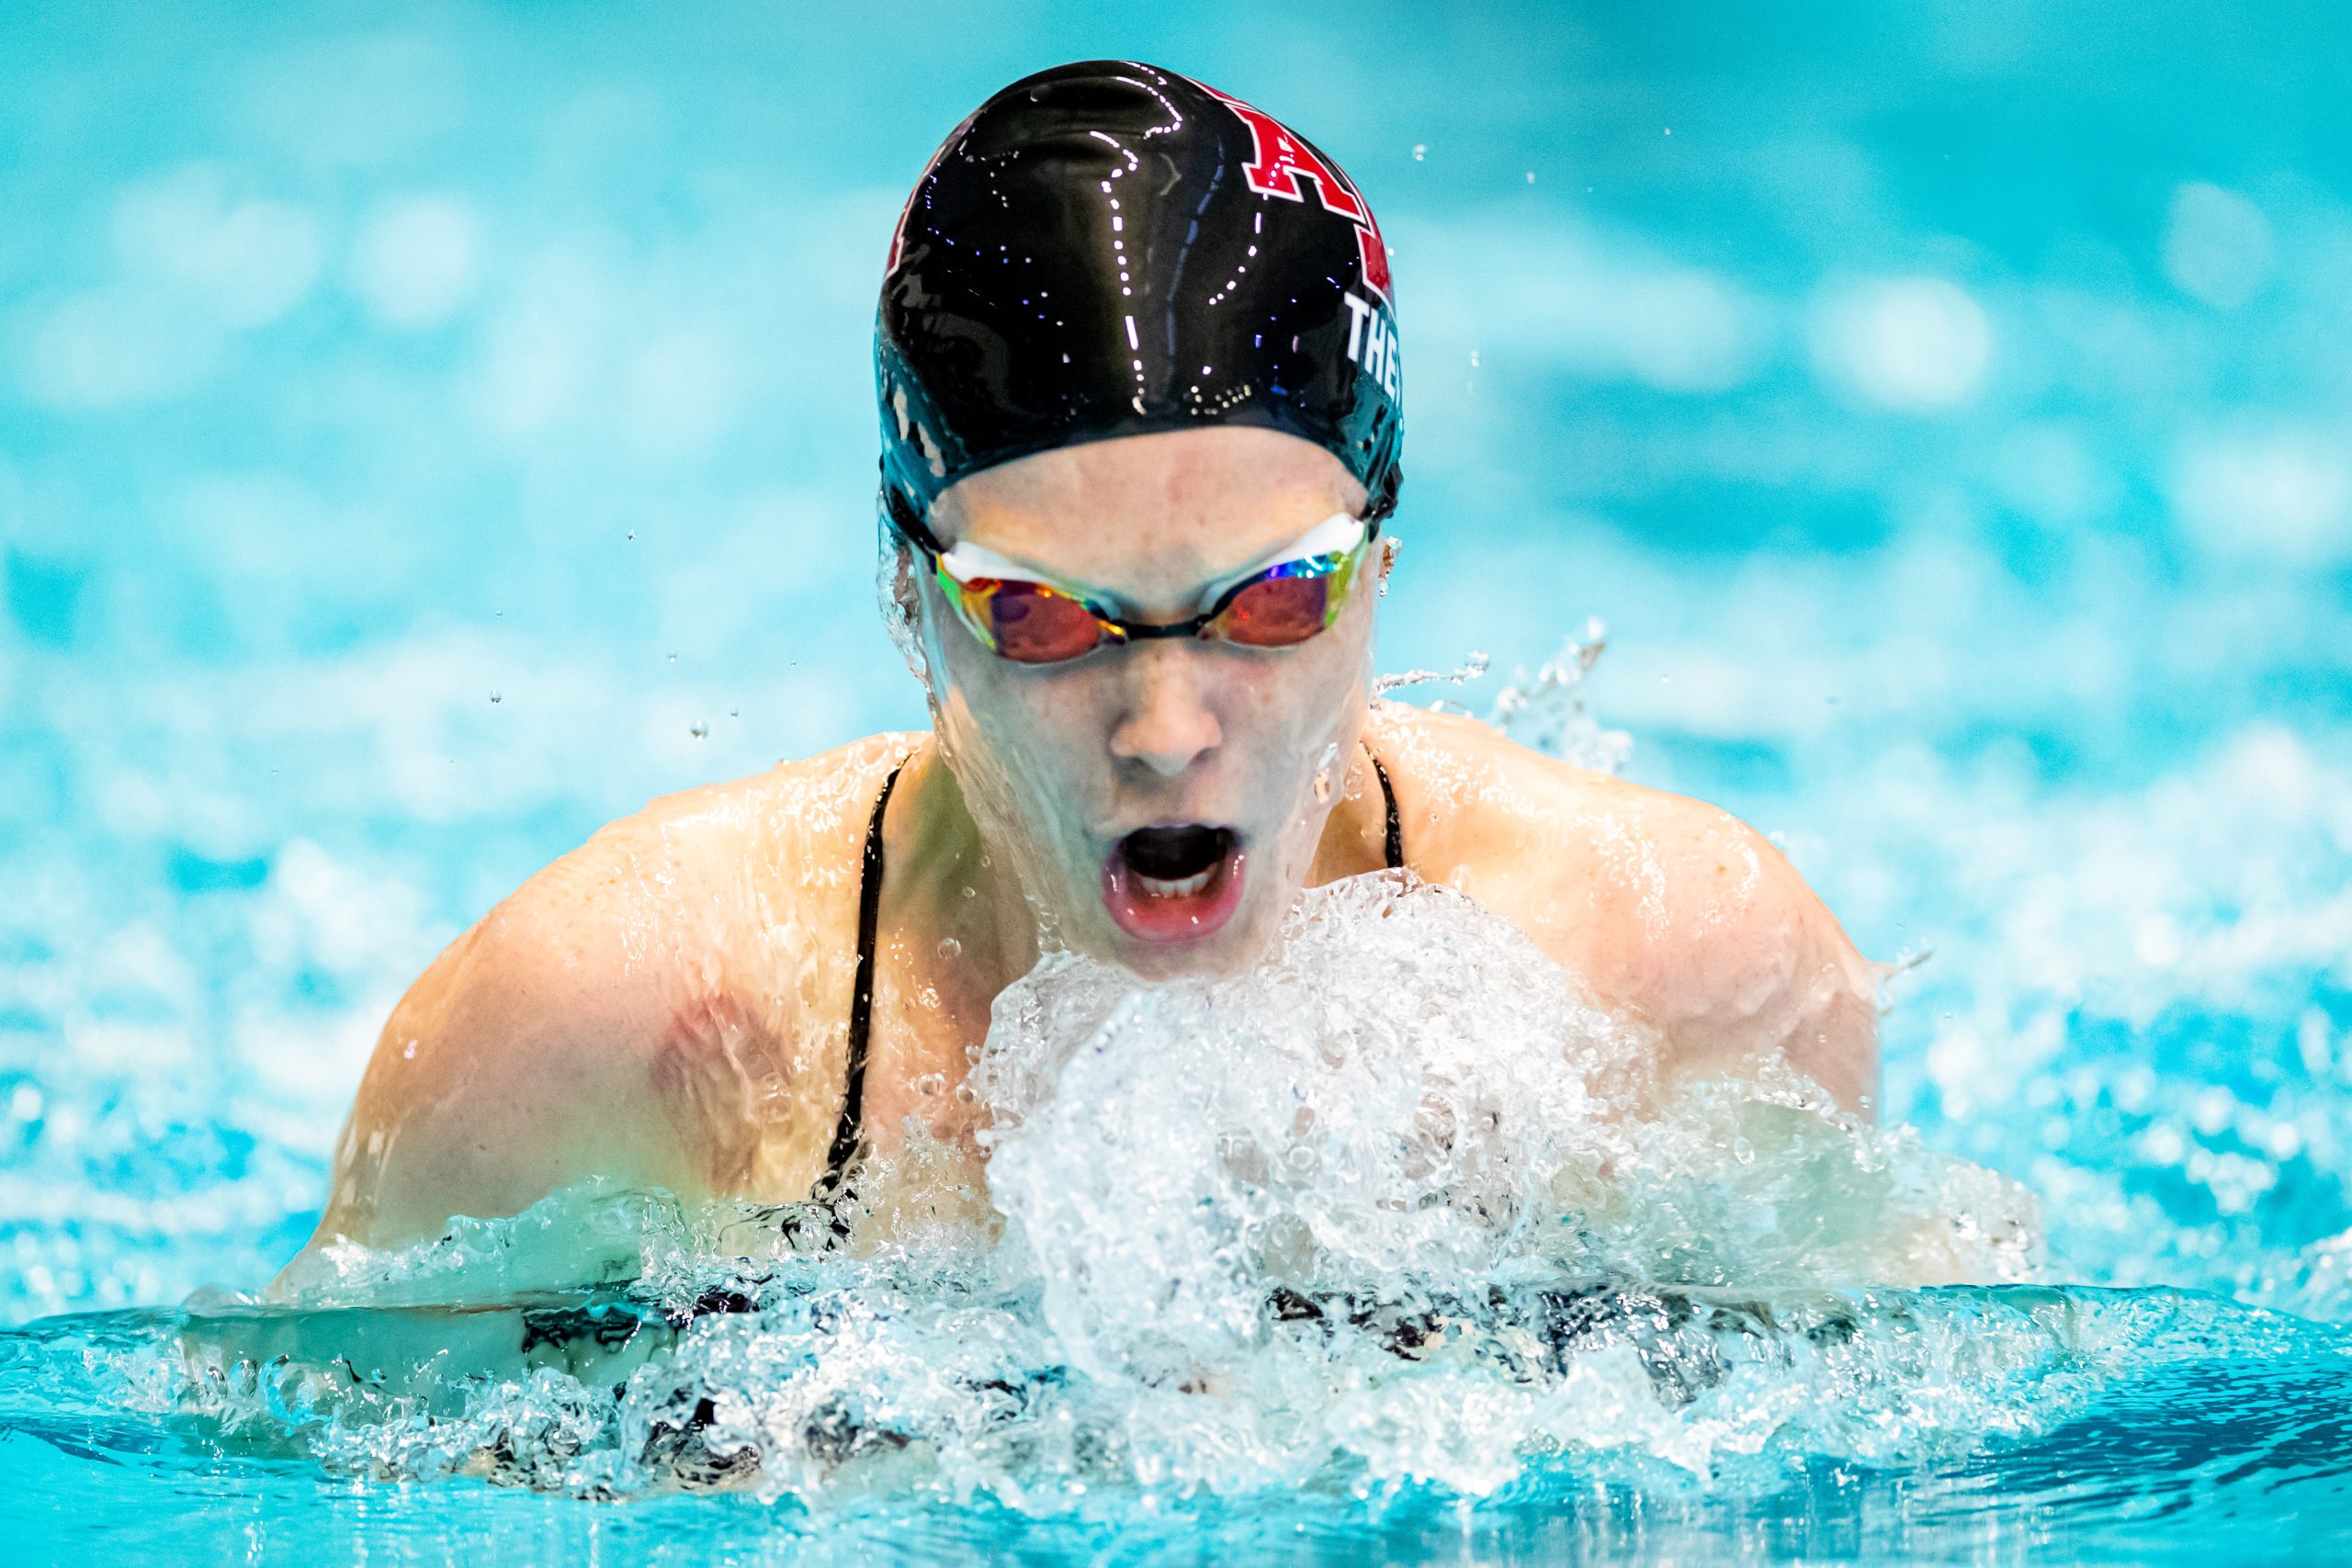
<point>1281,158</point>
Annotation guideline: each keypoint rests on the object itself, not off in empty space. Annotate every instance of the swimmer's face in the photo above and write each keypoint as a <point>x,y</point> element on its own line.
<point>1158,800</point>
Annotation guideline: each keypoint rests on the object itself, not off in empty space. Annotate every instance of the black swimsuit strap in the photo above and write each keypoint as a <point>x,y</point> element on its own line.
<point>849,1131</point>
<point>1393,840</point>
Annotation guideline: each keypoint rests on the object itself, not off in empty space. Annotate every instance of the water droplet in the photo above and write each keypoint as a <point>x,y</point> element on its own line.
<point>734,713</point>
<point>1420,150</point>
<point>700,730</point>
<point>950,949</point>
<point>496,698</point>
<point>971,893</point>
<point>1324,766</point>
<point>632,533</point>
<point>673,659</point>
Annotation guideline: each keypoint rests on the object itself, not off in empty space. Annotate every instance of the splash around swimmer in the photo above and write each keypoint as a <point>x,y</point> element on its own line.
<point>1140,386</point>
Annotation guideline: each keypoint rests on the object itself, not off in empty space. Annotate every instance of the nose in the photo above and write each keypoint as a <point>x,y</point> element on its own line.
<point>1168,723</point>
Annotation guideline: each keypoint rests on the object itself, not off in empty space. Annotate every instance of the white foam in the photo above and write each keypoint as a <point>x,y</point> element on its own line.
<point>1412,1093</point>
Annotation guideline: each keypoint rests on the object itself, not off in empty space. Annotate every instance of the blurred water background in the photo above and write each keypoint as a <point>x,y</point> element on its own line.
<point>427,432</point>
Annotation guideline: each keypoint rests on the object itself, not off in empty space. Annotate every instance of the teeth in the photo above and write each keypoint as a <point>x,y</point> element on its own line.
<point>1183,888</point>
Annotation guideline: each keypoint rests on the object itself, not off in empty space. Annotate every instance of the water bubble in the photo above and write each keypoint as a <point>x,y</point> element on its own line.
<point>1323,769</point>
<point>950,949</point>
<point>701,728</point>
<point>1420,150</point>
<point>495,697</point>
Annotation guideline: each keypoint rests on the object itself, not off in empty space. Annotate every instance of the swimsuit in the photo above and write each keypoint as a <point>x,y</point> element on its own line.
<point>849,1131</point>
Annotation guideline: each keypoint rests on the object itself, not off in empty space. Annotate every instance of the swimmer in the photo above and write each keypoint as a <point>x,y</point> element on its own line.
<point>1140,392</point>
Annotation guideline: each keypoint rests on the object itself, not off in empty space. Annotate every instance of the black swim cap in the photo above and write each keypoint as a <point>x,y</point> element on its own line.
<point>1109,249</point>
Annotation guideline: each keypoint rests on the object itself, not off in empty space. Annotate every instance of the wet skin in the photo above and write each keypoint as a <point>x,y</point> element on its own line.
<point>667,1006</point>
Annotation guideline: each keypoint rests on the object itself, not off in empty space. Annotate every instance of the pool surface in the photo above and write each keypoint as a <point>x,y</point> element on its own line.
<point>426,435</point>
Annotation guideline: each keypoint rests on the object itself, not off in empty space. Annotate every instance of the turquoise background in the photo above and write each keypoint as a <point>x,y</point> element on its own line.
<point>427,432</point>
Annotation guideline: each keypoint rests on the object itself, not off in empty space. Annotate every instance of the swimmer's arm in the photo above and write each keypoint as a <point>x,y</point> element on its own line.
<point>544,1047</point>
<point>1764,966</point>
<point>1689,919</point>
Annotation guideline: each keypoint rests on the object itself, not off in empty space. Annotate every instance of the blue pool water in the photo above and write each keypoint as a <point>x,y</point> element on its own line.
<point>427,433</point>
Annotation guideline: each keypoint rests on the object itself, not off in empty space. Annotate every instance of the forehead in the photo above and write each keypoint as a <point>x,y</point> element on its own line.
<point>1151,517</point>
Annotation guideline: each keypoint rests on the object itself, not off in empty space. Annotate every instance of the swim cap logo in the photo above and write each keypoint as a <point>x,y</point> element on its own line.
<point>1280,161</point>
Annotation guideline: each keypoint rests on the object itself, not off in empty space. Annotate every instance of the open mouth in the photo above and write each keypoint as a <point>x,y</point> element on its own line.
<point>1176,883</point>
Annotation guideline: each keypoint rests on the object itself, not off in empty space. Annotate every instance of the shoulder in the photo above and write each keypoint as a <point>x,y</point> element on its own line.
<point>641,1009</point>
<point>667,893</point>
<point>793,810</point>
<point>1666,907</point>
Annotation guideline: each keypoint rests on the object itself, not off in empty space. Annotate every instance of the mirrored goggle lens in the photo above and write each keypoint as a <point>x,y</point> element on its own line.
<point>1029,623</point>
<point>1288,604</point>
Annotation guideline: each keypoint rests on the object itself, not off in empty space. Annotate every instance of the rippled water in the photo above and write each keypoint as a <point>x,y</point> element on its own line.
<point>826,1411</point>
<point>422,440</point>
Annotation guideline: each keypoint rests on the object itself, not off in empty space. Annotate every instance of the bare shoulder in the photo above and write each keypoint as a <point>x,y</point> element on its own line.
<point>1665,906</point>
<point>644,1009</point>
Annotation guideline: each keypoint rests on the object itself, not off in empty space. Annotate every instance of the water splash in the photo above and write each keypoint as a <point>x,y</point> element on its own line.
<point>1547,712</point>
<point>1400,1209</point>
<point>1469,669</point>
<point>1544,710</point>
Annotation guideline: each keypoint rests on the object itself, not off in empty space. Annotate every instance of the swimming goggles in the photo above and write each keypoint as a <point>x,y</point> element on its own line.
<point>1019,613</point>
